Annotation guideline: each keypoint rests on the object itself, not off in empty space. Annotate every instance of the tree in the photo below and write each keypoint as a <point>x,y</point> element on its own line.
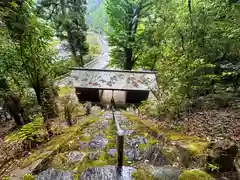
<point>124,19</point>
<point>68,19</point>
<point>195,48</point>
<point>25,55</point>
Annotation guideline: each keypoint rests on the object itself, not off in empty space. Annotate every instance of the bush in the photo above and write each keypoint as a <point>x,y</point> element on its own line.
<point>178,85</point>
<point>195,175</point>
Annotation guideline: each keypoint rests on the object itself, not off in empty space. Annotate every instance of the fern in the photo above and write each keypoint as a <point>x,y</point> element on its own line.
<point>29,131</point>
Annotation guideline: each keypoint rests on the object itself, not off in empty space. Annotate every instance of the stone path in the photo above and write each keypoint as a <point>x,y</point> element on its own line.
<point>94,154</point>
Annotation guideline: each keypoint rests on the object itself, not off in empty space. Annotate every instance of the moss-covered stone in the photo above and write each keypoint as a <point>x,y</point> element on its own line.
<point>174,136</point>
<point>64,91</point>
<point>59,161</point>
<point>102,160</point>
<point>197,148</point>
<point>142,174</point>
<point>195,174</point>
<point>142,147</point>
<point>60,143</point>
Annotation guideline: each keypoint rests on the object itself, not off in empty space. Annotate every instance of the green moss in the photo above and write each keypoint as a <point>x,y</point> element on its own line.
<point>195,174</point>
<point>28,177</point>
<point>142,147</point>
<point>102,160</point>
<point>197,148</point>
<point>130,116</point>
<point>32,158</point>
<point>5,178</point>
<point>180,137</point>
<point>76,176</point>
<point>152,141</point>
<point>85,138</point>
<point>142,174</point>
<point>59,161</point>
<point>110,133</point>
<point>64,91</point>
<point>60,143</point>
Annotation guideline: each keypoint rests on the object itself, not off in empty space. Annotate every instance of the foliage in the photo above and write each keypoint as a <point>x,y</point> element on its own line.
<point>211,167</point>
<point>124,18</point>
<point>195,174</point>
<point>30,133</point>
<point>67,18</point>
<point>96,17</point>
<point>195,49</point>
<point>25,55</point>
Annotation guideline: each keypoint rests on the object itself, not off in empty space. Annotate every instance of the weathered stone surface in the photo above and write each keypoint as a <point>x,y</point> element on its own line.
<point>84,145</point>
<point>166,173</point>
<point>35,167</point>
<point>75,156</point>
<point>132,154</point>
<point>108,116</point>
<point>102,124</point>
<point>136,140</point>
<point>93,155</point>
<point>52,174</point>
<point>112,152</point>
<point>223,156</point>
<point>155,156</point>
<point>99,142</point>
<point>108,173</point>
<point>184,154</point>
<point>95,110</point>
<point>128,132</point>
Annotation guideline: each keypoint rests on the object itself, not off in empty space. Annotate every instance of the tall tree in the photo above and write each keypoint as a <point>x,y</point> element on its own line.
<point>68,19</point>
<point>25,54</point>
<point>196,44</point>
<point>124,19</point>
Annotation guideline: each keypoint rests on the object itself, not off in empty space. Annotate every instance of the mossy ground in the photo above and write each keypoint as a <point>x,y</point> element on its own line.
<point>59,143</point>
<point>195,174</point>
<point>60,160</point>
<point>88,128</point>
<point>155,134</point>
<point>142,174</point>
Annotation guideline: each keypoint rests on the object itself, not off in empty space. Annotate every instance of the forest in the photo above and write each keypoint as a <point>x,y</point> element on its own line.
<point>188,130</point>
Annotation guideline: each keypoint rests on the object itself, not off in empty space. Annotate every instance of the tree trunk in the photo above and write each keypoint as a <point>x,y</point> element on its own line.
<point>128,65</point>
<point>38,95</point>
<point>81,60</point>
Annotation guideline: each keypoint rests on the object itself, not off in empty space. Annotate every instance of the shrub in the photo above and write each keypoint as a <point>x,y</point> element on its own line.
<point>195,174</point>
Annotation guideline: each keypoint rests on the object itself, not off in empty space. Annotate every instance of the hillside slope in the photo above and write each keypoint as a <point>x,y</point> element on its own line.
<point>96,16</point>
